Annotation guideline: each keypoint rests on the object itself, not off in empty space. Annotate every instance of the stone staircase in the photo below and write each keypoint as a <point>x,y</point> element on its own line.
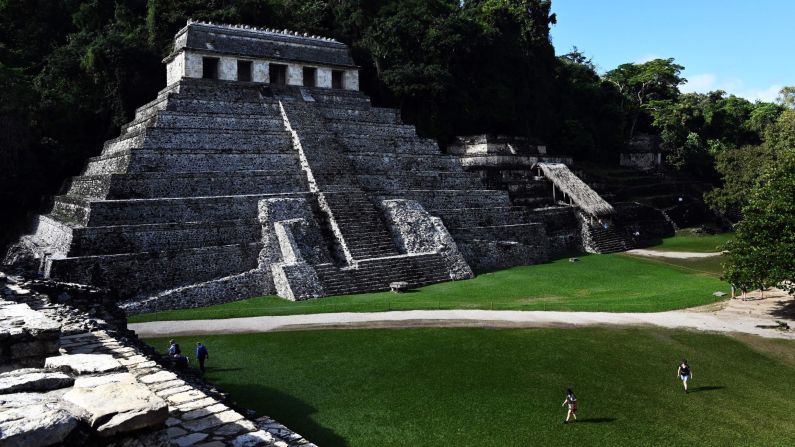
<point>361,225</point>
<point>611,240</point>
<point>377,273</point>
<point>392,162</point>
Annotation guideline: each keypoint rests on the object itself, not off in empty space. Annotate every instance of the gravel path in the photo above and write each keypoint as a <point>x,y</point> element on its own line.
<point>672,254</point>
<point>727,317</point>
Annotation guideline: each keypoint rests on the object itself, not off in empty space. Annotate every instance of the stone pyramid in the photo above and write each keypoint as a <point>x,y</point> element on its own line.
<point>262,169</point>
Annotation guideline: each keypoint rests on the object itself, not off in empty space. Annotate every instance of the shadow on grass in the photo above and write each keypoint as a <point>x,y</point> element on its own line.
<point>215,370</point>
<point>288,410</point>
<point>595,421</point>
<point>699,389</point>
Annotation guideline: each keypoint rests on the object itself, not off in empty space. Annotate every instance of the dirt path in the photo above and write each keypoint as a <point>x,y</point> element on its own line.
<point>671,254</point>
<point>755,317</point>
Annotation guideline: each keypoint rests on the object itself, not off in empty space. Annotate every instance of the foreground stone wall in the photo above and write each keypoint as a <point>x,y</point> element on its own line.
<point>105,387</point>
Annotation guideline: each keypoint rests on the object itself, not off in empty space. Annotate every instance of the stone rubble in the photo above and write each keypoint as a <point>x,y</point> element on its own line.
<point>32,379</point>
<point>109,387</point>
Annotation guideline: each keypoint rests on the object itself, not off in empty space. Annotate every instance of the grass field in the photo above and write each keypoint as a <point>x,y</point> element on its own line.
<point>689,241</point>
<point>482,387</point>
<point>612,283</point>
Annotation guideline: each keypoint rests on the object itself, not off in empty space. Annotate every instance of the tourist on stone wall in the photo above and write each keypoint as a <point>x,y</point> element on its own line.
<point>201,355</point>
<point>571,401</point>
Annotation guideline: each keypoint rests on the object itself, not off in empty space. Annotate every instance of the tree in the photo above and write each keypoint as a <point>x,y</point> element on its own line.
<point>740,169</point>
<point>657,79</point>
<point>786,97</point>
<point>760,255</point>
<point>763,114</point>
<point>589,118</point>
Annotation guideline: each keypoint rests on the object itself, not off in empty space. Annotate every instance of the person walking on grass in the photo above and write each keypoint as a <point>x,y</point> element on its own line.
<point>684,373</point>
<point>571,401</point>
<point>201,355</point>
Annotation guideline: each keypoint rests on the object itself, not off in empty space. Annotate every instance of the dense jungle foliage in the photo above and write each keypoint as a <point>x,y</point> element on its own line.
<point>73,71</point>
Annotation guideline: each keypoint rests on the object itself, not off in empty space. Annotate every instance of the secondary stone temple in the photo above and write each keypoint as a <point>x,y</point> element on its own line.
<point>261,168</point>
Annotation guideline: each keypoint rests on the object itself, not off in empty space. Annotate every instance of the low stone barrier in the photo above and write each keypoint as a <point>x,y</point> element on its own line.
<point>104,386</point>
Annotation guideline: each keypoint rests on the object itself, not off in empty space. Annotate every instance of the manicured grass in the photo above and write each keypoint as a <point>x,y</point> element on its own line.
<point>611,283</point>
<point>485,387</point>
<point>689,241</point>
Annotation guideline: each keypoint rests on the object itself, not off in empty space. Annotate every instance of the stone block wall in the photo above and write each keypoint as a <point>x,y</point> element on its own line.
<point>106,387</point>
<point>26,337</point>
<point>415,232</point>
<point>323,77</point>
<point>645,161</point>
<point>176,69</point>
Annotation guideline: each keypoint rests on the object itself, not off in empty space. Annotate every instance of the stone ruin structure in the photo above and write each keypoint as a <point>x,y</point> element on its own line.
<point>260,168</point>
<point>71,374</point>
<point>575,216</point>
<point>643,153</point>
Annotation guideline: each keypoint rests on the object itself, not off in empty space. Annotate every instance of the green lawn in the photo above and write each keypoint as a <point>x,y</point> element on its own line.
<point>689,241</point>
<point>487,387</point>
<point>612,283</point>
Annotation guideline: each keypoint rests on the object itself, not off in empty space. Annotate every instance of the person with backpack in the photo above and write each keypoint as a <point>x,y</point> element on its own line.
<point>684,373</point>
<point>201,355</point>
<point>571,401</point>
<point>173,349</point>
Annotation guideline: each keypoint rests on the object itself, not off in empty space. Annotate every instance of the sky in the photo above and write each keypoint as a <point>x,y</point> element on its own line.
<point>745,47</point>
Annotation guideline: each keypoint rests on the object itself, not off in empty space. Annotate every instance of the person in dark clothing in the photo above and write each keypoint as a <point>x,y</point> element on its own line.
<point>173,349</point>
<point>180,362</point>
<point>571,401</point>
<point>201,355</point>
<point>684,373</point>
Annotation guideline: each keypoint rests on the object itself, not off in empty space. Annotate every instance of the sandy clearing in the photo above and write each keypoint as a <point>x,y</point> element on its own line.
<point>671,254</point>
<point>731,316</point>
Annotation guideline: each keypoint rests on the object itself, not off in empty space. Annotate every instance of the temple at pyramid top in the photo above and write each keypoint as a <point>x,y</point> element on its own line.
<point>248,54</point>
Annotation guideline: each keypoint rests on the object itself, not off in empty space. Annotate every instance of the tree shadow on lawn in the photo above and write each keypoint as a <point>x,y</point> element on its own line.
<point>595,420</point>
<point>785,309</point>
<point>699,389</point>
<point>288,410</point>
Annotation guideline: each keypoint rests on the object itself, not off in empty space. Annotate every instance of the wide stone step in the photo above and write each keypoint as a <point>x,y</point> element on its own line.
<point>199,184</point>
<point>218,121</point>
<point>350,128</point>
<point>363,115</point>
<point>163,210</point>
<point>87,241</point>
<point>210,139</point>
<point>144,273</point>
<point>200,105</point>
<point>452,198</point>
<point>183,160</point>
<point>481,217</point>
<point>388,144</point>
<point>455,180</point>
<point>389,163</point>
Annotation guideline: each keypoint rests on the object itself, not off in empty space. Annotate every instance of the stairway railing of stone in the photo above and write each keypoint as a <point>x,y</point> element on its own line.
<point>580,193</point>
<point>313,187</point>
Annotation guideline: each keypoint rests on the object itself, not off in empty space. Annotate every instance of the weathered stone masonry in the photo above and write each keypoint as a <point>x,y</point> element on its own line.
<point>72,375</point>
<point>189,206</point>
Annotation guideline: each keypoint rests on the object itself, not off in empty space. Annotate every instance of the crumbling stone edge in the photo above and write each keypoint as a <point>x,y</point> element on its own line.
<point>199,413</point>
